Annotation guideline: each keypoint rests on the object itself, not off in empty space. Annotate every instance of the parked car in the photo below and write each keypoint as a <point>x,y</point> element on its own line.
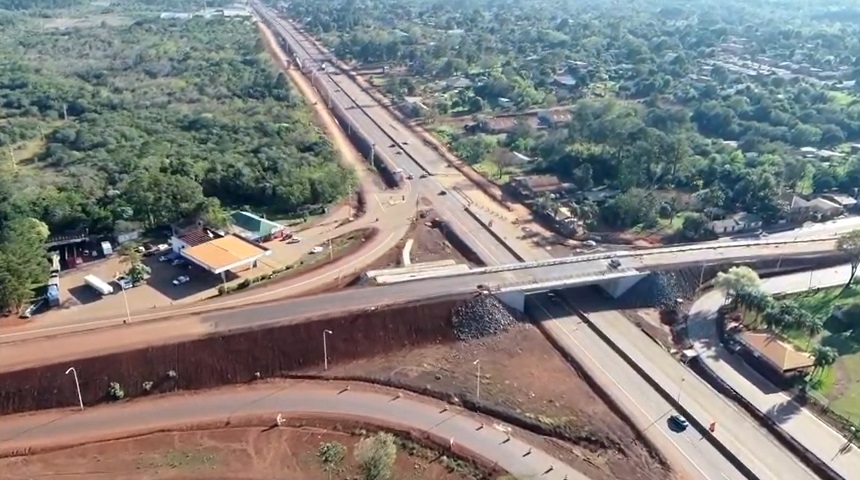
<point>410,177</point>
<point>164,258</point>
<point>589,243</point>
<point>317,249</point>
<point>178,262</point>
<point>423,175</point>
<point>443,192</point>
<point>614,263</point>
<point>294,240</point>
<point>678,422</point>
<point>181,280</point>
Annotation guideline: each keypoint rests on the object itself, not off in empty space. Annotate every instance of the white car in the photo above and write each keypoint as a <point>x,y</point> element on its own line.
<point>164,258</point>
<point>181,279</point>
<point>317,249</point>
<point>294,240</point>
<point>162,247</point>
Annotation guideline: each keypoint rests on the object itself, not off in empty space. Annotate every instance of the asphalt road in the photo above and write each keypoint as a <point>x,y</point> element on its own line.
<point>634,395</point>
<point>760,452</point>
<point>805,427</point>
<point>401,146</point>
<point>409,412</point>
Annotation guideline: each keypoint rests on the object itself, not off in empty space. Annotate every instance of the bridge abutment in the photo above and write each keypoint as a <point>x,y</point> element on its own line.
<point>619,286</point>
<point>513,299</point>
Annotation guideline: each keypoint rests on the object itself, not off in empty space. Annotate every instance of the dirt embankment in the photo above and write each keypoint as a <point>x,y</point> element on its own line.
<point>230,359</point>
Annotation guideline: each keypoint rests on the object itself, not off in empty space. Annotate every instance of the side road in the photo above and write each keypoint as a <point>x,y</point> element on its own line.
<point>407,412</point>
<point>815,435</point>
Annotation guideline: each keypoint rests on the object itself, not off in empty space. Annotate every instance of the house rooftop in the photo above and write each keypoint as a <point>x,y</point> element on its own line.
<point>776,352</point>
<point>198,236</point>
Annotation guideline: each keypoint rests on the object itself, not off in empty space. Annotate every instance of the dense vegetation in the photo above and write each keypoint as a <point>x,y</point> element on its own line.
<point>681,96</point>
<point>119,124</point>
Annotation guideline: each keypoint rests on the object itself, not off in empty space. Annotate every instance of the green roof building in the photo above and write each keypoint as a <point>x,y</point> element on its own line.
<point>256,228</point>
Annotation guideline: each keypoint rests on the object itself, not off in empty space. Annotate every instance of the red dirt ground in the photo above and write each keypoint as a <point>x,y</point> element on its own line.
<point>223,454</point>
<point>520,370</point>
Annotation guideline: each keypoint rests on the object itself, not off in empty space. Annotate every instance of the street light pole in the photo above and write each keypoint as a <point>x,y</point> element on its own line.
<point>125,299</point>
<point>325,349</point>
<point>478,379</point>
<point>679,390</point>
<point>77,385</point>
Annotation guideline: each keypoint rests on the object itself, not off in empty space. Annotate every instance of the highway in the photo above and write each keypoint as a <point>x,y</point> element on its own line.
<point>635,396</point>
<point>805,427</point>
<point>401,146</point>
<point>410,412</point>
<point>378,125</point>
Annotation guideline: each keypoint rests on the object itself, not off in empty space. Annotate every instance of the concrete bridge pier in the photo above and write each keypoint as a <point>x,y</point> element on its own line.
<point>619,286</point>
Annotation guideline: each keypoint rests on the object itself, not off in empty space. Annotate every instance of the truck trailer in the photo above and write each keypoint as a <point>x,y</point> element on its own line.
<point>98,284</point>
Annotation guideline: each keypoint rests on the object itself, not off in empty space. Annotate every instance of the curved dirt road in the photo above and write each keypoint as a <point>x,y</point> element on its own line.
<point>409,412</point>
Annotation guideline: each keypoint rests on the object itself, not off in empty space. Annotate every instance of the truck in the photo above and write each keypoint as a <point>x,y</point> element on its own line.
<point>98,284</point>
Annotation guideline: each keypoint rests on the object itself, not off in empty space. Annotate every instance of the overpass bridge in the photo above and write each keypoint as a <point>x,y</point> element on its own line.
<point>615,272</point>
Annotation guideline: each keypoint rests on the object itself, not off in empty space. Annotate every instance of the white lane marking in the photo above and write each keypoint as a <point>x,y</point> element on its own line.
<point>617,385</point>
<point>191,309</point>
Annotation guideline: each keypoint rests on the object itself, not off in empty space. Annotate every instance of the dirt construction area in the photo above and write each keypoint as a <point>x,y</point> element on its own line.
<point>520,371</point>
<point>226,454</point>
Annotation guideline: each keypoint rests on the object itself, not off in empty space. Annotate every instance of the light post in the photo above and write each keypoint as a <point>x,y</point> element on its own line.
<point>477,363</point>
<point>325,349</point>
<point>680,386</point>
<point>77,385</point>
<point>809,287</point>
<point>125,300</point>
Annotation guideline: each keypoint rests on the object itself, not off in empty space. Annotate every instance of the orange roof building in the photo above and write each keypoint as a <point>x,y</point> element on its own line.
<point>777,353</point>
<point>225,253</point>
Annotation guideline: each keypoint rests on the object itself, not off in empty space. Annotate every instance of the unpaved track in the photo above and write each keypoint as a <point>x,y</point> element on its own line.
<point>473,436</point>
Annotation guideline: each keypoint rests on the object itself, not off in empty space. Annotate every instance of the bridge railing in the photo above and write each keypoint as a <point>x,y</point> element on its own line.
<point>640,253</point>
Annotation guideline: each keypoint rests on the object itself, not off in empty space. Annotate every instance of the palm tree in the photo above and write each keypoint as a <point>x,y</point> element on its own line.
<point>774,319</point>
<point>824,357</point>
<point>814,326</point>
<point>760,302</point>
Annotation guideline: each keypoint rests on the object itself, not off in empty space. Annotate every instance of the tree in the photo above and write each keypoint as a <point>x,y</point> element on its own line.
<point>376,456</point>
<point>774,319</point>
<point>824,357</point>
<point>129,254</point>
<point>695,227</point>
<point>737,279</point>
<point>634,207</point>
<point>212,214</point>
<point>23,263</point>
<point>331,455</point>
<point>138,272</point>
<point>849,244</point>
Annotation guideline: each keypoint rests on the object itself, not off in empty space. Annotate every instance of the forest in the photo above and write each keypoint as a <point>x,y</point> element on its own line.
<point>724,98</point>
<point>139,122</point>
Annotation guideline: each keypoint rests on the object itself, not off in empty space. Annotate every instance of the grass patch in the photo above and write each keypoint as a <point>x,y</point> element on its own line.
<point>839,384</point>
<point>491,171</point>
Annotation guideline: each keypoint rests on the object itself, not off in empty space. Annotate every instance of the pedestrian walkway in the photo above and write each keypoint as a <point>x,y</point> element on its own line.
<point>807,429</point>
